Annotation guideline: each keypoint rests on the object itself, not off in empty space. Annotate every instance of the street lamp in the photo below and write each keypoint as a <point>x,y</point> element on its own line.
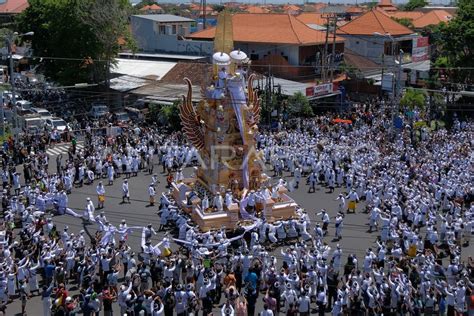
<point>8,41</point>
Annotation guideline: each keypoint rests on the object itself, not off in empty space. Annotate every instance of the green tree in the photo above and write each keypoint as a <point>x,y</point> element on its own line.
<point>76,39</point>
<point>404,21</point>
<point>298,105</point>
<point>218,7</point>
<point>108,20</point>
<point>414,4</point>
<point>456,43</point>
<point>413,99</point>
<point>143,3</point>
<point>166,115</point>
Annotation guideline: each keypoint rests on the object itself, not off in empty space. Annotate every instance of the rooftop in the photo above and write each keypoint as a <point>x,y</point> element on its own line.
<point>196,72</point>
<point>311,18</point>
<point>143,69</point>
<point>434,17</point>
<point>269,28</point>
<point>155,56</point>
<point>256,9</point>
<point>359,62</point>
<point>164,18</point>
<point>153,7</point>
<point>373,22</point>
<point>387,5</point>
<point>411,15</point>
<point>13,6</point>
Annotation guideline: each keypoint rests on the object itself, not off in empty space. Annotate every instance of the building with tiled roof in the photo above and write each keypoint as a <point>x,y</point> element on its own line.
<point>374,22</point>
<point>273,28</point>
<point>374,34</point>
<point>310,18</point>
<point>276,39</point>
<point>410,15</point>
<point>354,10</point>
<point>291,9</point>
<point>387,6</point>
<point>152,9</point>
<point>319,6</point>
<point>434,17</point>
<point>13,6</point>
<point>256,10</point>
<point>198,7</point>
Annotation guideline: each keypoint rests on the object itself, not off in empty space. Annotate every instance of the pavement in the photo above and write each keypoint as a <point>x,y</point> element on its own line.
<point>355,236</point>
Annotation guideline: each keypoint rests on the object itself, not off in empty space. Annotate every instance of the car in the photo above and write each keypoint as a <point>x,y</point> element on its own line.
<point>43,113</point>
<point>56,123</point>
<point>121,117</point>
<point>8,96</point>
<point>24,105</point>
<point>98,110</point>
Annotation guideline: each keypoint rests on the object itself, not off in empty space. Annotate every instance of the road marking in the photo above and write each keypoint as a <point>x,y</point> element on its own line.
<point>62,149</point>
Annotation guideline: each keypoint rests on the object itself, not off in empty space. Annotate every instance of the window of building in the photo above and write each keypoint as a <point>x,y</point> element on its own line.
<point>173,29</point>
<point>162,29</point>
<point>253,56</point>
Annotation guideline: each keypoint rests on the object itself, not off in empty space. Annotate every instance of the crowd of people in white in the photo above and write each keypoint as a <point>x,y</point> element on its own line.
<point>415,191</point>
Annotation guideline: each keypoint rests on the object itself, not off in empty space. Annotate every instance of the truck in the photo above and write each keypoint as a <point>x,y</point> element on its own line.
<point>31,123</point>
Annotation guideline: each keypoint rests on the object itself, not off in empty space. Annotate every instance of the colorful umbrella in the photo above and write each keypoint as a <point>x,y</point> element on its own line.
<point>339,120</point>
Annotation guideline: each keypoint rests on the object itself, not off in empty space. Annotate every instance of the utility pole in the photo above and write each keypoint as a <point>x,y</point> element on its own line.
<point>9,42</point>
<point>269,94</point>
<point>333,54</point>
<point>204,5</point>
<point>325,52</point>
<point>383,66</point>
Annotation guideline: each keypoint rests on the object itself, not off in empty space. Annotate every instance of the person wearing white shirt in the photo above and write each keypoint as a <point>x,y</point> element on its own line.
<point>151,194</point>
<point>100,195</point>
<point>266,311</point>
<point>125,191</point>
<point>304,304</point>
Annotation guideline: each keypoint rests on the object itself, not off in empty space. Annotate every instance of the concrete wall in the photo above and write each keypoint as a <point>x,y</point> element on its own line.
<point>371,47</point>
<point>144,34</point>
<point>147,35</point>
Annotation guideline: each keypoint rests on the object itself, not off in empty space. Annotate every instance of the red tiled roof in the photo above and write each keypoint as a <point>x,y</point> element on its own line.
<point>371,22</point>
<point>145,8</point>
<point>387,5</point>
<point>385,2</point>
<point>192,70</point>
<point>269,28</point>
<point>355,9</point>
<point>14,6</point>
<point>291,7</point>
<point>256,9</point>
<point>411,15</point>
<point>155,7</point>
<point>311,18</point>
<point>198,7</point>
<point>434,17</point>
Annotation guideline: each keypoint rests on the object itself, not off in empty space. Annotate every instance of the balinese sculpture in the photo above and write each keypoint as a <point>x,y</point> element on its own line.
<point>230,184</point>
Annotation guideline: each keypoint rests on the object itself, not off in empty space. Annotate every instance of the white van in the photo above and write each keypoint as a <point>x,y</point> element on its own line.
<point>24,105</point>
<point>43,113</point>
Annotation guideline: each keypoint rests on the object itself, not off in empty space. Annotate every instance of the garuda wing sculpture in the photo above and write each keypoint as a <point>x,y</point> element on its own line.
<point>192,126</point>
<point>254,102</point>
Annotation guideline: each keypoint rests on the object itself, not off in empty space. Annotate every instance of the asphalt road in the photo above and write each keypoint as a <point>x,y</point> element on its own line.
<point>355,239</point>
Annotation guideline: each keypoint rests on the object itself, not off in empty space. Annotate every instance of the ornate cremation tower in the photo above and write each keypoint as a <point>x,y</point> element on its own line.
<point>223,127</point>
